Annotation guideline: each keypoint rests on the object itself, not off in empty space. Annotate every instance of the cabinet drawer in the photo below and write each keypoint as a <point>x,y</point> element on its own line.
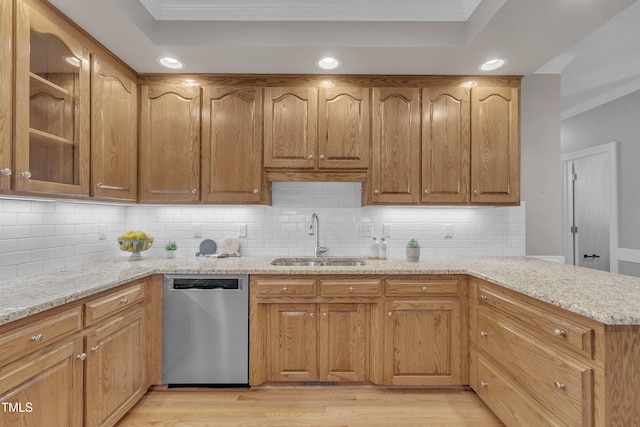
<point>422,287</point>
<point>40,333</point>
<point>279,287</point>
<point>561,384</point>
<point>508,401</point>
<point>342,288</point>
<point>103,307</point>
<point>549,325</point>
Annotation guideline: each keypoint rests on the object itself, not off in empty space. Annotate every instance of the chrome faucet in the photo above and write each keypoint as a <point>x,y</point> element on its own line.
<point>314,229</point>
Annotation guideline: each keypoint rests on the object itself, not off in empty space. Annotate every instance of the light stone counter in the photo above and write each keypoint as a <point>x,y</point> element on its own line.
<point>608,298</point>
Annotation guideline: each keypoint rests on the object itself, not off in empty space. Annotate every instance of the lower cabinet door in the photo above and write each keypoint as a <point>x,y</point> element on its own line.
<point>343,342</point>
<point>292,342</point>
<point>423,342</point>
<point>114,368</point>
<point>43,388</point>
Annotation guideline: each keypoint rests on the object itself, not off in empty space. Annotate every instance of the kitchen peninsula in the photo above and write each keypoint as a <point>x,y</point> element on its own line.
<point>537,340</point>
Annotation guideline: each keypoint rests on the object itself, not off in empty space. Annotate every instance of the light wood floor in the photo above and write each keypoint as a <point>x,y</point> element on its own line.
<point>311,407</point>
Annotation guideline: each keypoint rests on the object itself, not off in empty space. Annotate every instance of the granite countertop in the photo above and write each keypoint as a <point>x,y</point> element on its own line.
<point>608,298</point>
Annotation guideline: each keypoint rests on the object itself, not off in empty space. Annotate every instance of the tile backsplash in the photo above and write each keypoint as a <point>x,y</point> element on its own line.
<point>41,236</point>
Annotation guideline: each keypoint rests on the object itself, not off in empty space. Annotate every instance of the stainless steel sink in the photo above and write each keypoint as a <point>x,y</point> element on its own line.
<point>317,262</point>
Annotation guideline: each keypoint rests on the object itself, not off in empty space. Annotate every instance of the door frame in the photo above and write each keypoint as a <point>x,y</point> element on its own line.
<point>611,150</point>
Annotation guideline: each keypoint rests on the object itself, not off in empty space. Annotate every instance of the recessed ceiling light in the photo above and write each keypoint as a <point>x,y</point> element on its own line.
<point>493,64</point>
<point>328,63</point>
<point>71,60</point>
<point>170,62</point>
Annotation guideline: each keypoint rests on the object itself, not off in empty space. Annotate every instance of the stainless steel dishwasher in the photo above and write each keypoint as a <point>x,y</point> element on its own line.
<point>205,330</point>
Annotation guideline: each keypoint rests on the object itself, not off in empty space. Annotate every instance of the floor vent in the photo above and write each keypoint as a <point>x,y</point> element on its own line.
<point>318,383</point>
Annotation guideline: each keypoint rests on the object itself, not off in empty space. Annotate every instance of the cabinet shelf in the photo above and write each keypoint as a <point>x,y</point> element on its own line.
<point>42,136</point>
<point>42,85</point>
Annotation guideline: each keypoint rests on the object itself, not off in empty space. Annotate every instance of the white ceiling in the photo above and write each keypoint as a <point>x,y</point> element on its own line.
<point>572,37</point>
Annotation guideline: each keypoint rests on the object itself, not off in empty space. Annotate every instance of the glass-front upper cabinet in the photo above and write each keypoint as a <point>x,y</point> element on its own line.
<point>52,106</point>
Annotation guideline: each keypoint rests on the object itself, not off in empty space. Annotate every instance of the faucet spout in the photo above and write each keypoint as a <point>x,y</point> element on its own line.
<point>314,229</point>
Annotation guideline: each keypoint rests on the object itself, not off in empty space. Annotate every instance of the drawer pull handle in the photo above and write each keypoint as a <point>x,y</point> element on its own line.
<point>424,289</point>
<point>559,385</point>
<point>484,334</point>
<point>351,289</point>
<point>124,300</point>
<point>96,348</point>
<point>484,384</point>
<point>558,332</point>
<point>285,289</point>
<point>483,297</point>
<point>81,356</point>
<point>37,338</point>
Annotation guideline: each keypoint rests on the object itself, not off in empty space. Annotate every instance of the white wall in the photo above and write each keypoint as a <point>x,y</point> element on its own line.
<point>618,120</point>
<point>541,166</point>
<point>41,236</point>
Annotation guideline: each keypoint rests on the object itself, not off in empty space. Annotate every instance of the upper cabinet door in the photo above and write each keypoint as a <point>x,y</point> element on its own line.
<point>169,143</point>
<point>6,89</point>
<point>343,128</point>
<point>52,106</point>
<point>495,145</point>
<point>232,145</point>
<point>290,127</point>
<point>114,132</point>
<point>445,145</point>
<point>395,168</point>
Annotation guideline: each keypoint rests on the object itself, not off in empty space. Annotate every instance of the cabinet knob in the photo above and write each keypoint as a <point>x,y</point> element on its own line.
<point>99,185</point>
<point>389,314</point>
<point>194,191</point>
<point>484,384</point>
<point>376,191</point>
<point>81,356</point>
<point>351,289</point>
<point>285,289</point>
<point>310,156</point>
<point>26,174</point>
<point>483,297</point>
<point>559,385</point>
<point>321,156</point>
<point>424,289</point>
<point>96,348</point>
<point>324,314</point>
<point>312,315</point>
<point>427,191</point>
<point>476,191</point>
<point>558,332</point>
<point>124,301</point>
<point>484,334</point>
<point>255,191</point>
<point>37,338</point>
<point>6,171</point>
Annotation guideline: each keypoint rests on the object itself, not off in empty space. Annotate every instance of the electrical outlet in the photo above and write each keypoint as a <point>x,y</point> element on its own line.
<point>102,231</point>
<point>197,229</point>
<point>386,230</point>
<point>242,230</point>
<point>366,230</point>
<point>448,231</point>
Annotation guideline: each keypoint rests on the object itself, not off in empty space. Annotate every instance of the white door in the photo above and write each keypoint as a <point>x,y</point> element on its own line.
<point>591,237</point>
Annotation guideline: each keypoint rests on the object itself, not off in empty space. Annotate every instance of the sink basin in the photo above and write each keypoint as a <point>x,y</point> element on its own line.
<point>317,262</point>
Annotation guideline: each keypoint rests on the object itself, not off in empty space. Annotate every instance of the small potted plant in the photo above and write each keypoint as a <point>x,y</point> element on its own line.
<point>170,248</point>
<point>413,250</point>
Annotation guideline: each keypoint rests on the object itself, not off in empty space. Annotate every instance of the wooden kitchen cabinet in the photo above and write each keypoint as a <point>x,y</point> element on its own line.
<point>6,95</point>
<point>446,139</point>
<point>395,163</point>
<point>290,127</point>
<point>169,143</point>
<point>115,367</point>
<point>343,128</point>
<point>114,131</point>
<point>45,388</point>
<point>232,145</point>
<point>495,145</point>
<point>52,137</point>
